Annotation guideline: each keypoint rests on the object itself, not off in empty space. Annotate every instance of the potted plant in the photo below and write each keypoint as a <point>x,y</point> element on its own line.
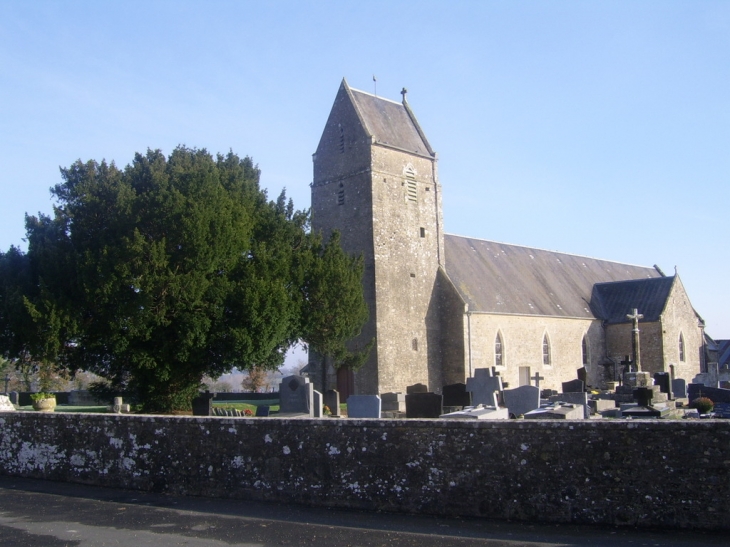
<point>43,402</point>
<point>704,405</point>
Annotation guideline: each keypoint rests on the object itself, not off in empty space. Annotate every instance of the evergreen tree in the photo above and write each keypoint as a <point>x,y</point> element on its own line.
<point>334,308</point>
<point>173,268</point>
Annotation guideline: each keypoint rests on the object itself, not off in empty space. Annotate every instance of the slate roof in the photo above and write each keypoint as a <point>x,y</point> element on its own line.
<point>723,352</point>
<point>390,123</point>
<point>496,277</point>
<point>612,301</point>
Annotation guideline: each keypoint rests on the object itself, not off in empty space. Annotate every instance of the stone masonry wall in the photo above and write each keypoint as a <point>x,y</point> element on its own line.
<point>522,347</point>
<point>642,473</point>
<point>618,345</point>
<point>680,317</point>
<point>407,242</point>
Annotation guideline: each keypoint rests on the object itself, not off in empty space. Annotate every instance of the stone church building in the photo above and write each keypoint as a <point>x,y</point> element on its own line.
<point>443,305</point>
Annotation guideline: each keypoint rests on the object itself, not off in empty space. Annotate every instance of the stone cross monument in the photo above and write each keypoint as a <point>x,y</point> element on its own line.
<point>635,338</point>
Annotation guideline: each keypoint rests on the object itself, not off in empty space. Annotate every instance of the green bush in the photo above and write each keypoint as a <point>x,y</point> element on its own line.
<point>35,397</point>
<point>703,405</point>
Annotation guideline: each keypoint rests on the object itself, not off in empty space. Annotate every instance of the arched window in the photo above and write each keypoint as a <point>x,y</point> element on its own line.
<point>498,351</point>
<point>584,349</point>
<point>681,347</point>
<point>545,350</point>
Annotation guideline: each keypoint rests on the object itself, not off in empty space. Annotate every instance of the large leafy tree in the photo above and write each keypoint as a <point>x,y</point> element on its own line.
<point>173,268</point>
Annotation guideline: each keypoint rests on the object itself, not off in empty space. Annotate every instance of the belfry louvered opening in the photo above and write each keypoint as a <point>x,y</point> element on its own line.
<point>411,187</point>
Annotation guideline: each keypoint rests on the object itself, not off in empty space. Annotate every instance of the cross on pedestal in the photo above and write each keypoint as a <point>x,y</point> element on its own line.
<point>635,337</point>
<point>537,379</point>
<point>403,92</point>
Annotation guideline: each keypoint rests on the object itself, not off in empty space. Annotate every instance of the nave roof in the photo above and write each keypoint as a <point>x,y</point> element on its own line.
<point>494,277</point>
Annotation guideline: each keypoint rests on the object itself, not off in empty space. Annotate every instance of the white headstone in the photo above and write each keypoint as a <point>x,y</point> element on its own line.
<point>5,404</point>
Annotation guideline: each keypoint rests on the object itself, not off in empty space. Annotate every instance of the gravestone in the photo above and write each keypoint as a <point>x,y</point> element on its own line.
<point>263,411</point>
<point>296,396</point>
<point>716,394</point>
<point>664,381</point>
<point>332,401</point>
<point>15,398</point>
<point>574,386</point>
<point>203,404</point>
<point>583,375</point>
<point>574,399</point>
<point>483,385</point>
<point>393,402</point>
<point>424,405</point>
<point>363,406</point>
<point>5,404</point>
<point>643,396</point>
<point>637,379</point>
<point>598,406</point>
<point>118,406</point>
<point>317,404</point>
<point>691,413</point>
<point>522,400</point>
<point>456,395</point>
<point>722,410</point>
<point>417,388</point>
<point>557,411</point>
<point>679,388</point>
<point>493,400</point>
<point>478,413</point>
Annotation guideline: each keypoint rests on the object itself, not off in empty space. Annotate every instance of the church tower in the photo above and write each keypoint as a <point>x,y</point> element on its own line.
<point>375,180</point>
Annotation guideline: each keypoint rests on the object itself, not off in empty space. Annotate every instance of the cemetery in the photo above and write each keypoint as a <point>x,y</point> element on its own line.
<point>480,449</point>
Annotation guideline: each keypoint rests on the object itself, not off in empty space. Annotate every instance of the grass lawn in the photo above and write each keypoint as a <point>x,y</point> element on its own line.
<point>67,408</point>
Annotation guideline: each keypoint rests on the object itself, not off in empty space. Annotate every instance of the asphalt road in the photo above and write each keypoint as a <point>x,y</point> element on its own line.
<point>49,514</point>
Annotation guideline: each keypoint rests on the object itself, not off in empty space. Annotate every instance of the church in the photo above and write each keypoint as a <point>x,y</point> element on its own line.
<point>442,305</point>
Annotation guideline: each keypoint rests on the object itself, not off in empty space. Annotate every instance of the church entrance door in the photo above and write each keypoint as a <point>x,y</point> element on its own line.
<point>345,383</point>
<point>524,376</point>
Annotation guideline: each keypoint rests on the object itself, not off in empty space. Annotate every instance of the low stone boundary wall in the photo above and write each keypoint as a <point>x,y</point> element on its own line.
<point>643,473</point>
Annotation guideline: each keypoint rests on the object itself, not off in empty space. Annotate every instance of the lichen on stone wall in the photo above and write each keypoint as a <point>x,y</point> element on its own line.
<point>658,473</point>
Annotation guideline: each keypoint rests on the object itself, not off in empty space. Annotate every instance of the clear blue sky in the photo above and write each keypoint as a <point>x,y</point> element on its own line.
<point>594,128</point>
